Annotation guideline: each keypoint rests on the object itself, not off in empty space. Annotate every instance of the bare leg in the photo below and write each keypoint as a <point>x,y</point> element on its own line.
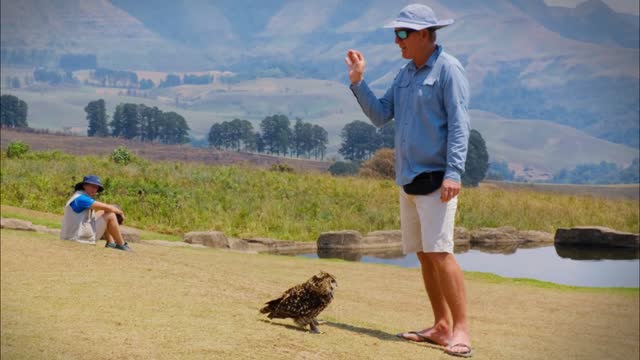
<point>113,229</point>
<point>451,280</point>
<point>440,332</point>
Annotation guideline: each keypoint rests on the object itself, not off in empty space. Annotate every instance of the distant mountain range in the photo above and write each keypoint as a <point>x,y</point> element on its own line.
<point>525,60</point>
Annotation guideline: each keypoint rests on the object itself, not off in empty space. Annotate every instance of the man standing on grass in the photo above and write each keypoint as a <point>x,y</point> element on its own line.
<point>428,99</point>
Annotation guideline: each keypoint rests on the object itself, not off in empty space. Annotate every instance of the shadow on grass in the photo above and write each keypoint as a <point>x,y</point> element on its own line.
<point>290,327</point>
<point>378,334</point>
<point>364,331</point>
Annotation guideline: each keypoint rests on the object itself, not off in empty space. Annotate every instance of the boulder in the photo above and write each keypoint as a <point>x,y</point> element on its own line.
<point>382,238</point>
<point>596,236</point>
<point>130,234</point>
<point>278,246</point>
<point>487,236</point>
<point>214,239</point>
<point>461,236</point>
<point>340,240</point>
<point>532,236</point>
<point>15,224</point>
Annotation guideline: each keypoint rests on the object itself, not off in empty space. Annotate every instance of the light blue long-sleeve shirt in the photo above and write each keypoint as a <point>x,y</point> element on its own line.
<point>430,106</point>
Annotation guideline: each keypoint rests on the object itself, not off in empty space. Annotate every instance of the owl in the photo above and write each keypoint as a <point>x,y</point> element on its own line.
<point>304,302</point>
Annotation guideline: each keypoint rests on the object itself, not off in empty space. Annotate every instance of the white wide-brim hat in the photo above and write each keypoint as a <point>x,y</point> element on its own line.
<point>418,17</point>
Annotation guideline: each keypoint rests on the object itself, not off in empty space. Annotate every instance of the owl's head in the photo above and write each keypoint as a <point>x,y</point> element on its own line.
<point>323,282</point>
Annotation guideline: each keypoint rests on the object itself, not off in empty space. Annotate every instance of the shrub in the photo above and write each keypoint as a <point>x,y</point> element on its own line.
<point>282,167</point>
<point>122,155</point>
<point>17,149</point>
<point>344,168</point>
<point>381,165</point>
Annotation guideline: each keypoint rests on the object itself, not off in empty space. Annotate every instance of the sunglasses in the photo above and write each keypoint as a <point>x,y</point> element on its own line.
<point>402,34</point>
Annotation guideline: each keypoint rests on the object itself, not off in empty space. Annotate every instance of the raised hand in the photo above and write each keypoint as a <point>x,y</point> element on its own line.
<point>355,63</point>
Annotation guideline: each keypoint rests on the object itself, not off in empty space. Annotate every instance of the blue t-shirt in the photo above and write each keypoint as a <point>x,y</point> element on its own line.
<point>81,203</point>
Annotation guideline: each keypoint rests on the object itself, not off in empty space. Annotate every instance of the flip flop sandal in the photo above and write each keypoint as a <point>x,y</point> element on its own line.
<point>465,354</point>
<point>420,336</point>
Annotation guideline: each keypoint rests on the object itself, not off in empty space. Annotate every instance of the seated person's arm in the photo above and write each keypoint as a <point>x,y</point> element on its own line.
<point>97,205</point>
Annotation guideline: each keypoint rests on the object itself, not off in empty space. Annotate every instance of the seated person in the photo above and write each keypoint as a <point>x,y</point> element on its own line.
<point>87,220</point>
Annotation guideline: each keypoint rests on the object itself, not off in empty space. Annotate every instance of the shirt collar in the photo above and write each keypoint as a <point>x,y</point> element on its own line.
<point>430,62</point>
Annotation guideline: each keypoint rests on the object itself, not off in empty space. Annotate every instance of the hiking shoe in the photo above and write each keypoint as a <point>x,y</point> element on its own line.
<point>110,245</point>
<point>123,247</point>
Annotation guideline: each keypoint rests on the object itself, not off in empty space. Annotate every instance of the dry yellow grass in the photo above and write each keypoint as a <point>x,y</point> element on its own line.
<point>62,300</point>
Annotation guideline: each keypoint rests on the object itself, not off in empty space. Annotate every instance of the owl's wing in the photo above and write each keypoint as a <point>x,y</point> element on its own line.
<point>298,302</point>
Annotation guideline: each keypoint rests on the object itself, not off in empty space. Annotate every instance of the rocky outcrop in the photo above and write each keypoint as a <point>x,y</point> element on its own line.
<point>509,235</point>
<point>130,235</point>
<point>15,224</point>
<point>461,236</point>
<point>278,246</point>
<point>596,236</point>
<point>215,239</point>
<point>351,239</point>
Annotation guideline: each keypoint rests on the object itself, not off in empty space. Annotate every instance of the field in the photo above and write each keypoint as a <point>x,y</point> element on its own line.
<point>244,201</point>
<point>63,300</point>
<point>82,145</point>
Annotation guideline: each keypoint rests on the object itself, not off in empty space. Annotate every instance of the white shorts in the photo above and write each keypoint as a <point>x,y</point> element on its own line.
<point>426,222</point>
<point>99,226</point>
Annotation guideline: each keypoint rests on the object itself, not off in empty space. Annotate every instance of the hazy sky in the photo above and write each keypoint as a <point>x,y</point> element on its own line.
<point>624,6</point>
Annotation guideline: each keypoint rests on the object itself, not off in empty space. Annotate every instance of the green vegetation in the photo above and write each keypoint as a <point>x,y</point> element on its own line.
<point>175,198</point>
<point>17,149</point>
<point>123,156</point>
<point>477,161</point>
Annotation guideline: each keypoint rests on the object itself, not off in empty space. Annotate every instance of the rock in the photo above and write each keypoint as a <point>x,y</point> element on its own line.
<point>382,238</point>
<point>130,234</point>
<point>278,246</point>
<point>47,230</point>
<point>596,236</point>
<point>532,236</point>
<point>15,224</point>
<point>350,239</point>
<point>339,239</point>
<point>173,244</point>
<point>501,235</point>
<point>461,236</point>
<point>214,239</point>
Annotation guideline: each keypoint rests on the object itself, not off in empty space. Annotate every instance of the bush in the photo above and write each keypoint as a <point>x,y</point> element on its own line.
<point>344,168</point>
<point>381,165</point>
<point>282,167</point>
<point>17,149</point>
<point>122,155</point>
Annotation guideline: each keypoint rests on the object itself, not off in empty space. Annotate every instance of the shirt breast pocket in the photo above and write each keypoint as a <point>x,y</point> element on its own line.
<point>427,89</point>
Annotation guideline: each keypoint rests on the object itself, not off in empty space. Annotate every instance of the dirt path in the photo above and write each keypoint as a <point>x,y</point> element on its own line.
<point>66,300</point>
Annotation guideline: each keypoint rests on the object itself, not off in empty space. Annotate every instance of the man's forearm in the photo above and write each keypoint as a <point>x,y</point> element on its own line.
<point>379,111</point>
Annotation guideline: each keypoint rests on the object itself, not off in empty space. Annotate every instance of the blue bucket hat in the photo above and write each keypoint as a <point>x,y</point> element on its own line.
<point>90,179</point>
<point>418,17</point>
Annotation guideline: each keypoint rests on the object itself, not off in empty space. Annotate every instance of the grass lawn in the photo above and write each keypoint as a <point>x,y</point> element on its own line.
<point>63,300</point>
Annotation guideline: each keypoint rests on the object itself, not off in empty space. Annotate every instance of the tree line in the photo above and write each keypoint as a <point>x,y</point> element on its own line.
<point>13,112</point>
<point>276,136</point>
<point>137,122</point>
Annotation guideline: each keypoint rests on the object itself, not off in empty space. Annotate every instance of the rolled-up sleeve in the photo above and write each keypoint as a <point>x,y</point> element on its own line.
<point>379,111</point>
<point>456,99</point>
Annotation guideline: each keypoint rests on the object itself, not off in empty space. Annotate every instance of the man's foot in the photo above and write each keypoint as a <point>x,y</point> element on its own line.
<point>123,247</point>
<point>461,345</point>
<point>110,245</point>
<point>430,335</point>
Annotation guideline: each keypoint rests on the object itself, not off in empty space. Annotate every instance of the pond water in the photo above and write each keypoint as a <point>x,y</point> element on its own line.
<point>569,266</point>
